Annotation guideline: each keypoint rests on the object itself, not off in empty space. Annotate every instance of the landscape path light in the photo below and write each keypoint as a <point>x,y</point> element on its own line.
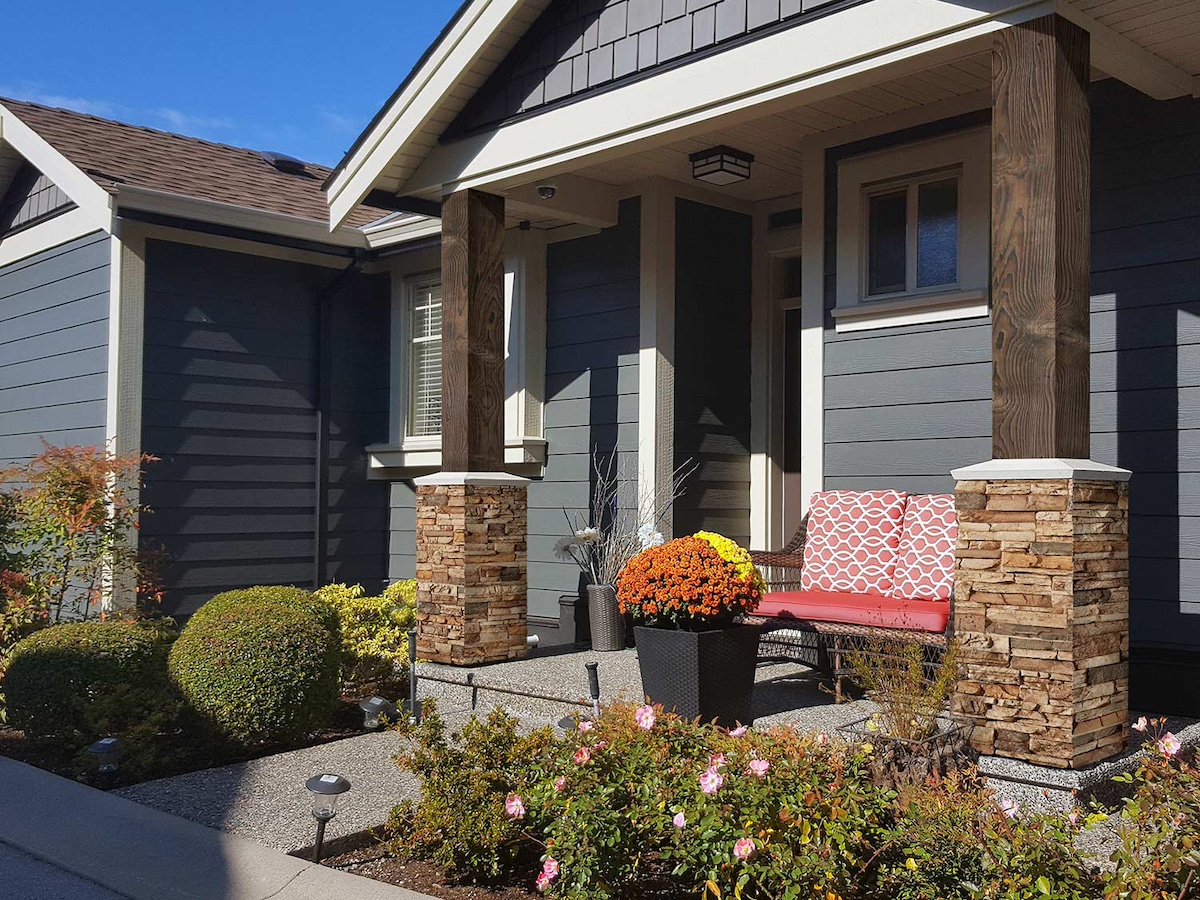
<point>325,790</point>
<point>108,755</point>
<point>376,708</point>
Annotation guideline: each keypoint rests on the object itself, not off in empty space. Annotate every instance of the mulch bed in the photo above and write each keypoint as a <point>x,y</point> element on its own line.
<point>177,754</point>
<point>423,876</point>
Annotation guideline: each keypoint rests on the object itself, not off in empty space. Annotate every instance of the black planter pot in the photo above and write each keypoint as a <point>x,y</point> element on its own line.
<point>701,673</point>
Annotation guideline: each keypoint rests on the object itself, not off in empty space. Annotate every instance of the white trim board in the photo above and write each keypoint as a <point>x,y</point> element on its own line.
<point>855,46</point>
<point>92,200</point>
<point>62,229</point>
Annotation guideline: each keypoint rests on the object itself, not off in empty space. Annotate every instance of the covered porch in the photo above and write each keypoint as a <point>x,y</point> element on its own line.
<point>902,287</point>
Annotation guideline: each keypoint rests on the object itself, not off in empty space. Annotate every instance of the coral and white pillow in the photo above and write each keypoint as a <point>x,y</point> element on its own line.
<point>852,541</point>
<point>925,562</point>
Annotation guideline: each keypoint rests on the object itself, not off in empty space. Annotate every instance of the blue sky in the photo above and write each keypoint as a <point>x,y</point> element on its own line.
<point>303,77</point>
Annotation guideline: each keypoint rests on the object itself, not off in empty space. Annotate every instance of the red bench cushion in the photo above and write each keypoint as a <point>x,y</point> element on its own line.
<point>925,560</point>
<point>857,609</point>
<point>852,541</point>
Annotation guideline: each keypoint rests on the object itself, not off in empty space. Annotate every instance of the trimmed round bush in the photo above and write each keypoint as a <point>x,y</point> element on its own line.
<point>259,666</point>
<point>56,675</point>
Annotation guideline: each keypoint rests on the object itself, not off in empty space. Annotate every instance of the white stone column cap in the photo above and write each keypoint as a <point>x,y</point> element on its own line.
<point>481,479</point>
<point>1039,470</point>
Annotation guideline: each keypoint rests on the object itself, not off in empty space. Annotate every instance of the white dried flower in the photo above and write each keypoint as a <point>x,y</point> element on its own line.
<point>649,536</point>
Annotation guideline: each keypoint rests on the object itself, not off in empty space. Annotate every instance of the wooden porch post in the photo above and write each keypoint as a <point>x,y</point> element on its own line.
<point>472,517</point>
<point>1041,594</point>
<point>472,332</point>
<point>1041,250</point>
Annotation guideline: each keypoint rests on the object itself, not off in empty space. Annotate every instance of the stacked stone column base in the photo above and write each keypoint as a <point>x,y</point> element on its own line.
<point>1041,612</point>
<point>471,568</point>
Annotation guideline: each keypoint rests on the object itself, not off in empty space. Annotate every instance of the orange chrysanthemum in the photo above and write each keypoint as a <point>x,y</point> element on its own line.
<point>685,583</point>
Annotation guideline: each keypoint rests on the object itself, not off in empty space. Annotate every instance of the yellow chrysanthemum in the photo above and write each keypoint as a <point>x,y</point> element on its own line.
<point>736,556</point>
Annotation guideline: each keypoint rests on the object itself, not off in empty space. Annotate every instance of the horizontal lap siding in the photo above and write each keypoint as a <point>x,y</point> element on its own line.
<point>905,405</point>
<point>592,322</point>
<point>229,407</point>
<point>54,348</point>
<point>1146,345</point>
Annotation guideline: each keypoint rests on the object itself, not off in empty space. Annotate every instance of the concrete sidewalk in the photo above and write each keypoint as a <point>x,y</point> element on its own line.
<point>139,853</point>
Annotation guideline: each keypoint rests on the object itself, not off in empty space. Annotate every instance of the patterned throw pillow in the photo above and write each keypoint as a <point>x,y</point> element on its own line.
<point>925,563</point>
<point>853,537</point>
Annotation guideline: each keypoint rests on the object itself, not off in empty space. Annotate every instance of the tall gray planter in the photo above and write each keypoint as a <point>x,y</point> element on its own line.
<point>608,625</point>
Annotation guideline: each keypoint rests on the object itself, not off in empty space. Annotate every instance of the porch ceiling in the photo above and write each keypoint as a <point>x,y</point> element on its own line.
<point>775,140</point>
<point>1170,29</point>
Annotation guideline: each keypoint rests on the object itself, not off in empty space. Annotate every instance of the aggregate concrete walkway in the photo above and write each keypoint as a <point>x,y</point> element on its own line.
<point>83,836</point>
<point>30,878</point>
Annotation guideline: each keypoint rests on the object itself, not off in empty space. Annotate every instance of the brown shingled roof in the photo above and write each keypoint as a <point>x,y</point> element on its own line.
<point>115,154</point>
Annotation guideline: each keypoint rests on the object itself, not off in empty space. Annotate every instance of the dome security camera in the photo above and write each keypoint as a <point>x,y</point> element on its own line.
<point>547,191</point>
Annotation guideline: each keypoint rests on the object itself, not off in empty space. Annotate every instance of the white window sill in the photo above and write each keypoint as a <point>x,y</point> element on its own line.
<point>525,455</point>
<point>914,309</point>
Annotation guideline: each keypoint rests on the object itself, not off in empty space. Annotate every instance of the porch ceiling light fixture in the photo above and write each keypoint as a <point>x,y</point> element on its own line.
<point>721,165</point>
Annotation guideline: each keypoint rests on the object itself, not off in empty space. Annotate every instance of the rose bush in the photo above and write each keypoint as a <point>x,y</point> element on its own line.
<point>639,803</point>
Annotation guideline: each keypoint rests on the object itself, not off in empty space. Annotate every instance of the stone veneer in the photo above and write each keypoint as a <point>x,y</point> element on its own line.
<point>471,571</point>
<point>1041,612</point>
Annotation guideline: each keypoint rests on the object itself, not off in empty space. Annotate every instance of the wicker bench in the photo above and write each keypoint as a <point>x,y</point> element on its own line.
<point>881,568</point>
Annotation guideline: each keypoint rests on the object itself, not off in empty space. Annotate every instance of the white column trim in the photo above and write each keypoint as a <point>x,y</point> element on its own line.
<point>812,325</point>
<point>656,353</point>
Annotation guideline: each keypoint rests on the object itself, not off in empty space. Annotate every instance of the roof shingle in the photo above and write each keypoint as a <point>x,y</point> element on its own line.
<point>115,154</point>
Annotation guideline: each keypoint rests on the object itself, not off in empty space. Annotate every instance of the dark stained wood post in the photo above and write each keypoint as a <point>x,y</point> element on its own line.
<point>1041,253</point>
<point>472,332</point>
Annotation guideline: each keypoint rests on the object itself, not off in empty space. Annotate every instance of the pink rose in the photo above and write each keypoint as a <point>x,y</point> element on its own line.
<point>711,781</point>
<point>644,716</point>
<point>1010,807</point>
<point>585,726</point>
<point>740,731</point>
<point>758,767</point>
<point>543,881</point>
<point>744,848</point>
<point>582,755</point>
<point>822,739</point>
<point>514,806</point>
<point>1141,724</point>
<point>1073,817</point>
<point>550,868</point>
<point>679,821</point>
<point>716,760</point>
<point>560,784</point>
<point>1168,744</point>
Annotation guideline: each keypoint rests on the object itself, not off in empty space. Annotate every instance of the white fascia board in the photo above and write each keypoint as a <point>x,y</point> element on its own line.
<point>234,216</point>
<point>1130,62</point>
<point>392,233</point>
<point>67,226</point>
<point>471,35</point>
<point>94,200</point>
<point>740,83</point>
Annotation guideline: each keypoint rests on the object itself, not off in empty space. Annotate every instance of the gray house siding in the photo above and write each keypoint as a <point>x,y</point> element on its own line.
<point>712,369</point>
<point>31,198</point>
<point>578,46</point>
<point>905,405</point>
<point>54,348</point>
<point>592,322</point>
<point>229,401</point>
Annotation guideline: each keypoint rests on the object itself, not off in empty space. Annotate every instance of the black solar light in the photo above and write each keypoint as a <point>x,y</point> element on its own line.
<point>325,790</point>
<point>376,708</point>
<point>593,674</point>
<point>108,755</point>
<point>412,705</point>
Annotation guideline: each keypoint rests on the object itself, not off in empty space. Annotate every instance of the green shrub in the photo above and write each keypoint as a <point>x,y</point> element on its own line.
<point>374,629</point>
<point>59,680</point>
<point>641,804</point>
<point>260,665</point>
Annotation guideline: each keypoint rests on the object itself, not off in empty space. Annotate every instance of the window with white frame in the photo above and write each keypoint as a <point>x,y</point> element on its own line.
<point>913,233</point>
<point>424,416</point>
